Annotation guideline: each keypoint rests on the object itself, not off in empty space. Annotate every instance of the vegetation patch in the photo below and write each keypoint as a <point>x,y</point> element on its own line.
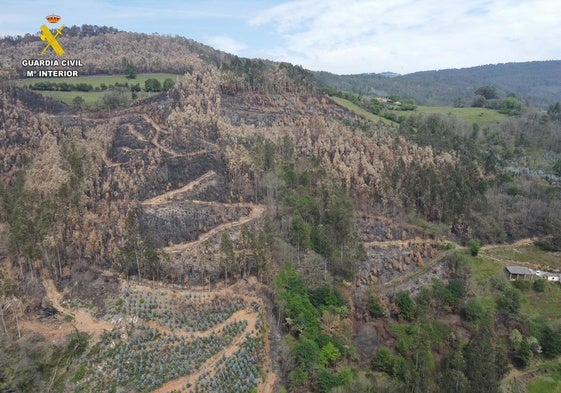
<point>483,117</point>
<point>94,91</point>
<point>527,254</point>
<point>362,112</point>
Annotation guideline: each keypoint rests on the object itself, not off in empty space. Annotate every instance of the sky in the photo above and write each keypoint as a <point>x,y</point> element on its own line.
<point>339,36</point>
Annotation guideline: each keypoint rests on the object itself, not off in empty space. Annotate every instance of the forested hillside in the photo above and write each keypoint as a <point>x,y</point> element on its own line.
<point>242,231</point>
<point>536,82</point>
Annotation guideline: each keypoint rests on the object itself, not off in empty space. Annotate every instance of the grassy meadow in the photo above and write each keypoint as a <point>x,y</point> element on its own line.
<point>93,98</point>
<point>362,112</point>
<point>97,80</point>
<point>481,116</point>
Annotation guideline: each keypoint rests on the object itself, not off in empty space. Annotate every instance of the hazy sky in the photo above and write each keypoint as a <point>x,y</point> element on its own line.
<point>340,36</point>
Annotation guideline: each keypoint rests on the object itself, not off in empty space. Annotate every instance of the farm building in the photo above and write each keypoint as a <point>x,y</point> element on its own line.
<point>554,277</point>
<point>519,273</point>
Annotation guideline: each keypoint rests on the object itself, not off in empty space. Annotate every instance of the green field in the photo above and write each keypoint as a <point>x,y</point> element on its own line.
<point>484,269</point>
<point>527,255</point>
<point>482,116</point>
<point>90,98</point>
<point>93,98</point>
<point>549,381</point>
<point>545,305</point>
<point>97,80</point>
<point>359,111</point>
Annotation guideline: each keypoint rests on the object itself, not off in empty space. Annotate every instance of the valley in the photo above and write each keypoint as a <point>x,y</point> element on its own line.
<point>244,231</point>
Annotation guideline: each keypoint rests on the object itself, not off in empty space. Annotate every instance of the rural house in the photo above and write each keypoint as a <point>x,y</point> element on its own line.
<point>519,273</point>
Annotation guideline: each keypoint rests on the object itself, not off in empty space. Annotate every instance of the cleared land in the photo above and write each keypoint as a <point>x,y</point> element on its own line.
<point>93,98</point>
<point>526,255</point>
<point>169,339</point>
<point>481,116</point>
<point>97,80</point>
<point>364,113</point>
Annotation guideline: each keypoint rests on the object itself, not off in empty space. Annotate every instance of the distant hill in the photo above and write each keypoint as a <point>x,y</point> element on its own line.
<point>106,50</point>
<point>537,82</point>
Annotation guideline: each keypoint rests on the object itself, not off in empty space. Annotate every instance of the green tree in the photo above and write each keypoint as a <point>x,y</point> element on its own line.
<point>329,354</point>
<point>486,363</point>
<point>474,247</point>
<point>307,354</point>
<point>406,305</point>
<point>550,340</point>
<point>168,84</point>
<point>130,71</point>
<point>116,97</point>
<point>151,258</point>
<point>554,111</point>
<point>300,233</point>
<point>453,377</point>
<point>78,102</point>
<point>488,92</point>
<point>227,256</point>
<point>523,354</point>
<point>383,361</point>
<point>292,297</point>
<point>539,285</point>
<point>475,312</point>
<point>510,106</point>
<point>509,301</point>
<point>152,85</point>
<point>129,257</point>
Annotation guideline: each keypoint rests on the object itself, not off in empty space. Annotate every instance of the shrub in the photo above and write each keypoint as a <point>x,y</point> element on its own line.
<point>329,354</point>
<point>383,361</point>
<point>550,245</point>
<point>515,338</point>
<point>550,340</point>
<point>375,308</point>
<point>539,285</point>
<point>326,295</point>
<point>116,98</point>
<point>522,285</point>
<point>523,355</point>
<point>474,247</point>
<point>307,353</point>
<point>475,312</point>
<point>407,307</point>
<point>327,381</point>
<point>298,377</point>
<point>509,301</point>
<point>79,373</point>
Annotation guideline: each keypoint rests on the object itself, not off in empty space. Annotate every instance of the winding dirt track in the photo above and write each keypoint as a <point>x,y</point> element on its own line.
<point>166,197</point>
<point>403,243</point>
<point>250,316</point>
<point>210,364</point>
<point>256,212</point>
<point>81,320</point>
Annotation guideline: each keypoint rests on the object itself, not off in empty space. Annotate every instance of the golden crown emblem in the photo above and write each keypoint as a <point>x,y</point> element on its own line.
<point>53,18</point>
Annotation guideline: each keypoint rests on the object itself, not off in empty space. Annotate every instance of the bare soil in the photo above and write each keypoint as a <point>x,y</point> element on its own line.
<point>68,321</point>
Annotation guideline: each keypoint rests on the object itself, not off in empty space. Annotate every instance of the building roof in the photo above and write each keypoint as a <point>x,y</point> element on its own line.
<point>520,270</point>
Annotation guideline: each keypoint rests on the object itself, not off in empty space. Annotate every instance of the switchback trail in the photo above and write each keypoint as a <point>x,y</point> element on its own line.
<point>166,197</point>
<point>256,212</point>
